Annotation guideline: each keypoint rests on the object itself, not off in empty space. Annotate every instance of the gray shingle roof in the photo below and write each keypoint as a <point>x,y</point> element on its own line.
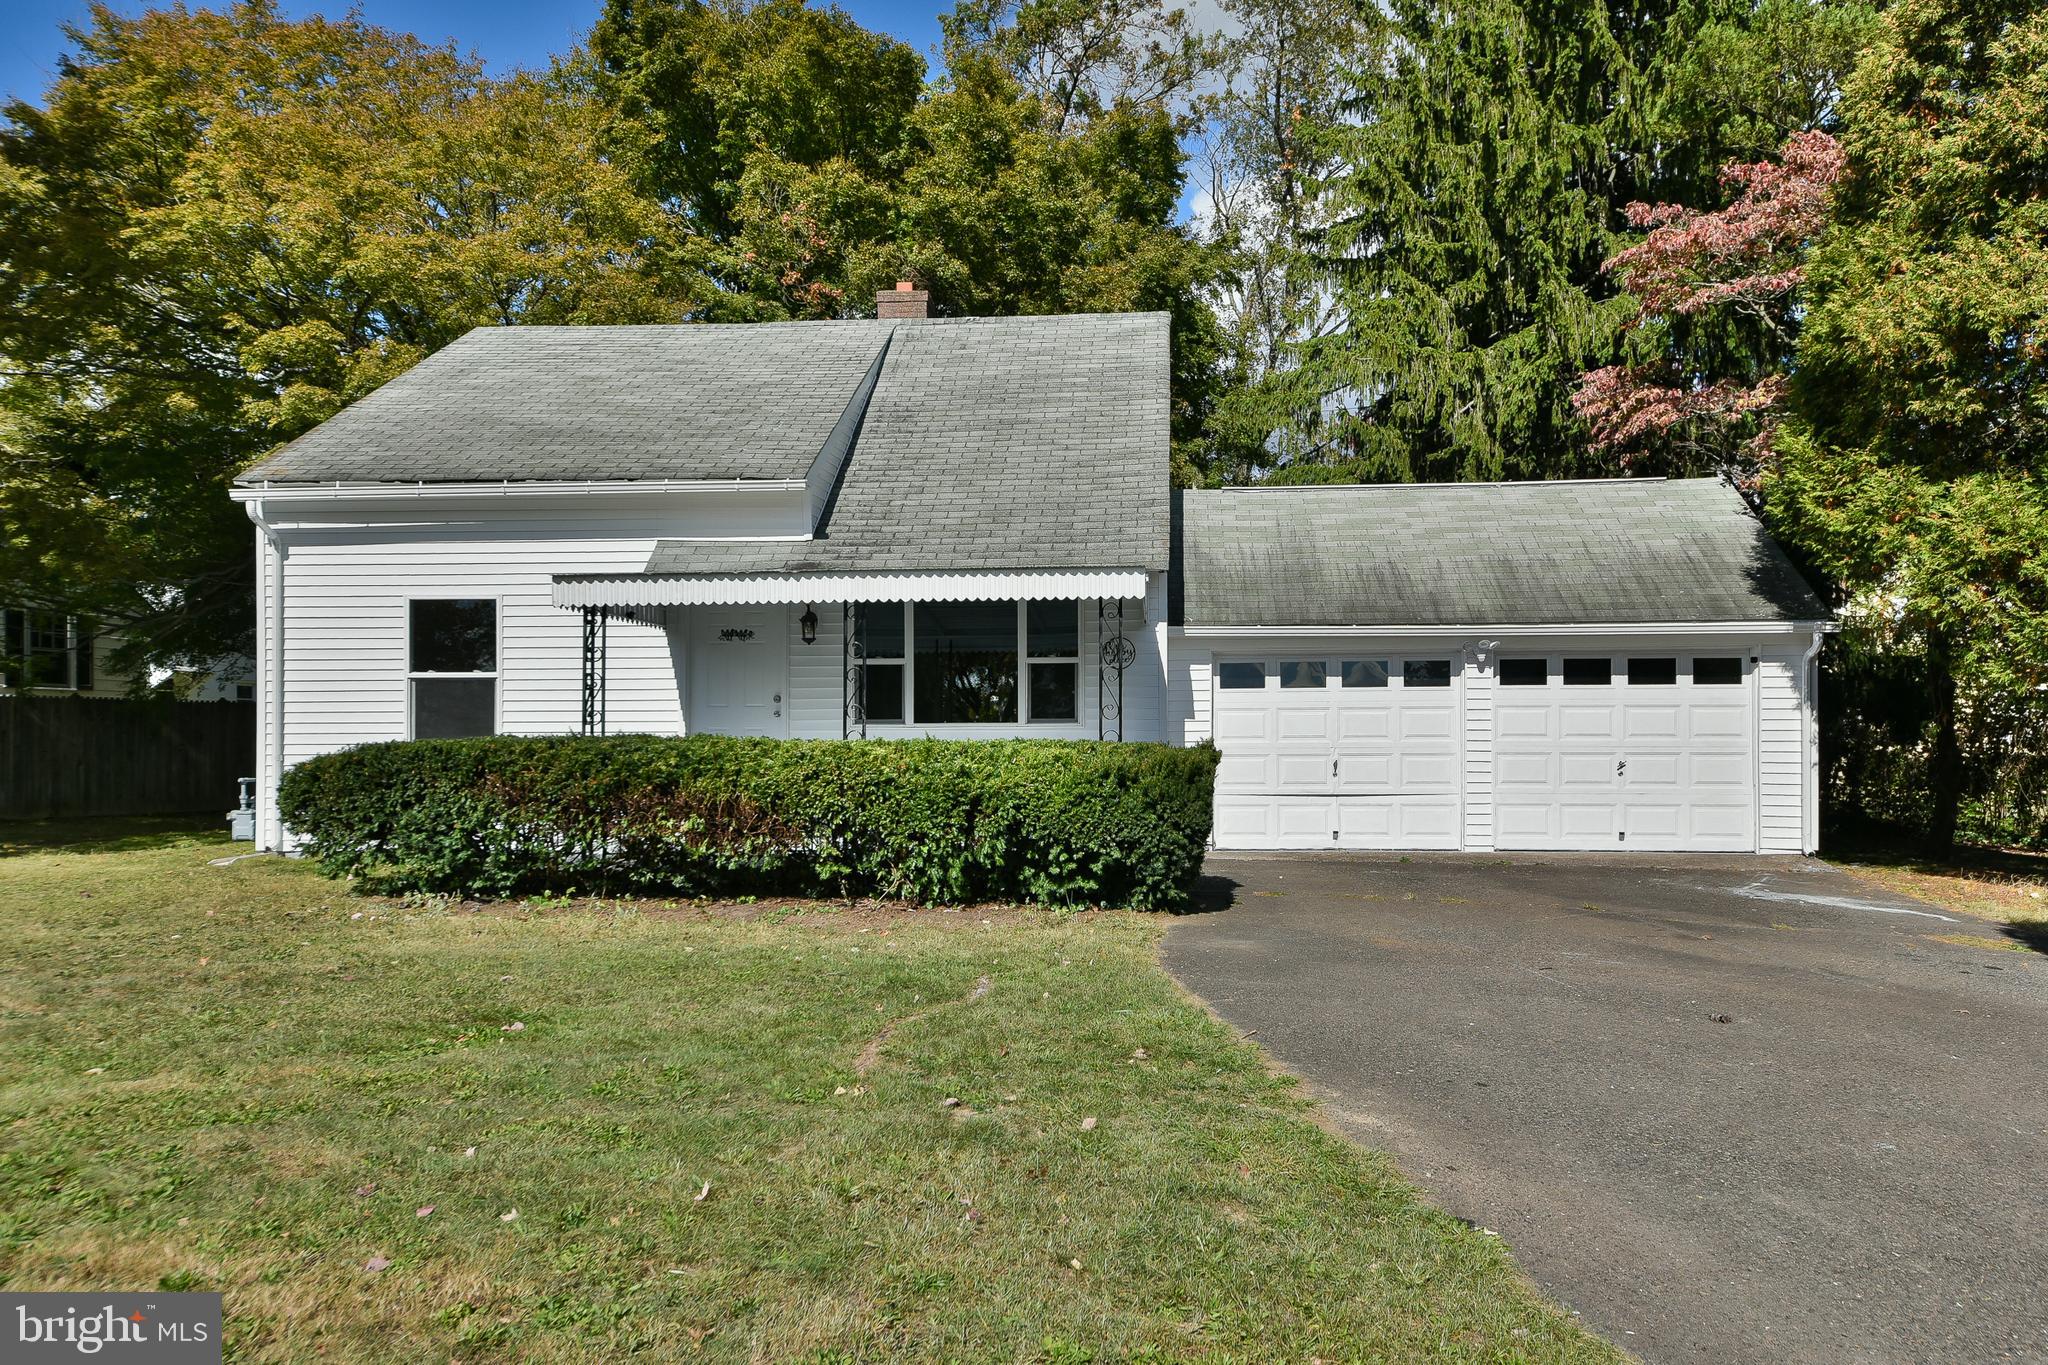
<point>575,403</point>
<point>993,443</point>
<point>1616,551</point>
<point>987,443</point>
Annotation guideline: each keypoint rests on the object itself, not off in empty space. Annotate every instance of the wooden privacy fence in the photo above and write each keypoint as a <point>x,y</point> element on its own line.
<point>64,756</point>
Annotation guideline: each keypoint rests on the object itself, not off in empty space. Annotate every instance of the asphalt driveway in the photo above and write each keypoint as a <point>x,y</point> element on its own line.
<point>1727,1109</point>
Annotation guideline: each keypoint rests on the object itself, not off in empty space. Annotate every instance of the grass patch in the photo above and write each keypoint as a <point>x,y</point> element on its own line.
<point>724,1135</point>
<point>2005,887</point>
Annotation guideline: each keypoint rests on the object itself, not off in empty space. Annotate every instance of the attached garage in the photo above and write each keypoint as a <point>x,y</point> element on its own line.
<point>1603,665</point>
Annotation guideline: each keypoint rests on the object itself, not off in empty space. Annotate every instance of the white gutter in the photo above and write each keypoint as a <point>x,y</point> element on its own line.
<point>267,491</point>
<point>1809,687</point>
<point>274,638</point>
<point>1552,629</point>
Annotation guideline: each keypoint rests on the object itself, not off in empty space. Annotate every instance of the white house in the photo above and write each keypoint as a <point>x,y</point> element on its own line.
<point>965,528</point>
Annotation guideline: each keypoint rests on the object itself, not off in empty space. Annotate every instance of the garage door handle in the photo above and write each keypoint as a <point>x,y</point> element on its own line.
<point>1621,767</point>
<point>1333,767</point>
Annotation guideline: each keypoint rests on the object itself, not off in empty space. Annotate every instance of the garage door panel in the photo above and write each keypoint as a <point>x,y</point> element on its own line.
<point>1365,772</point>
<point>1640,722</point>
<point>1301,774</point>
<point>1582,722</point>
<point>1721,770</point>
<point>1423,723</point>
<point>1721,720</point>
<point>1590,823</point>
<point>1244,772</point>
<point>1427,772</point>
<point>1242,725</point>
<point>1304,824</point>
<point>1515,721</point>
<point>1513,771</point>
<point>1649,771</point>
<point>1576,772</point>
<point>1518,824</point>
<point>1364,723</point>
<point>1297,722</point>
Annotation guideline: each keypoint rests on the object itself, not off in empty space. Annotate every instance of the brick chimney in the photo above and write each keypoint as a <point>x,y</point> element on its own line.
<point>906,300</point>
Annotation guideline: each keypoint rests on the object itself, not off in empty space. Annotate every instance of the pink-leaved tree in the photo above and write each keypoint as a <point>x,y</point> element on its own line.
<point>1715,295</point>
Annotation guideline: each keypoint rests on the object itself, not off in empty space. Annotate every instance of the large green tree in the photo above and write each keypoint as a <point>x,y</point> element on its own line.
<point>811,164</point>
<point>217,229</point>
<point>1485,161</point>
<point>1912,468</point>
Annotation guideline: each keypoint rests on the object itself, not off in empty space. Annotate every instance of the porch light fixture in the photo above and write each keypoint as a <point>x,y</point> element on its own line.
<point>809,621</point>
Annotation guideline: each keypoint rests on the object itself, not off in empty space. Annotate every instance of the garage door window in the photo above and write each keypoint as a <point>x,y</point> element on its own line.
<point>1241,677</point>
<point>1524,672</point>
<point>1588,672</point>
<point>1716,672</point>
<point>1304,673</point>
<point>1426,673</point>
<point>1652,672</point>
<point>1365,672</point>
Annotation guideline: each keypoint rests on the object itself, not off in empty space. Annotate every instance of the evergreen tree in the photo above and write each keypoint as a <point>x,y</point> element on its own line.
<point>1486,161</point>
<point>1912,469</point>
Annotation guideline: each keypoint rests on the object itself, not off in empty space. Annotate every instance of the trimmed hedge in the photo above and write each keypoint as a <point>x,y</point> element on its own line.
<point>1057,822</point>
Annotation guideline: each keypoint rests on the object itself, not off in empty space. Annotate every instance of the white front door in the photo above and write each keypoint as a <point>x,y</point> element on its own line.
<point>739,671</point>
<point>1598,751</point>
<point>1351,749</point>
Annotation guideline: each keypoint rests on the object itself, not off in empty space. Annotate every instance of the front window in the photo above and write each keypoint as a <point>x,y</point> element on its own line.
<point>1052,641</point>
<point>971,663</point>
<point>966,663</point>
<point>452,664</point>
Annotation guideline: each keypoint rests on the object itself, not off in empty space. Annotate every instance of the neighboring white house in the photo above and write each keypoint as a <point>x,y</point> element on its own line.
<point>965,528</point>
<point>48,653</point>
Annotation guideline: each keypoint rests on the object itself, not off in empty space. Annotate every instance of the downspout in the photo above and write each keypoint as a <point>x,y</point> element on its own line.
<point>274,638</point>
<point>1809,684</point>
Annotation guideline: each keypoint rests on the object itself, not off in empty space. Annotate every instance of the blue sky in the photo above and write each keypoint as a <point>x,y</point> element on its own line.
<point>505,33</point>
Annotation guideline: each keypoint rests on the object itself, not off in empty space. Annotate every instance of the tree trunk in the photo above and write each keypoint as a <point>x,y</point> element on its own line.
<point>1945,763</point>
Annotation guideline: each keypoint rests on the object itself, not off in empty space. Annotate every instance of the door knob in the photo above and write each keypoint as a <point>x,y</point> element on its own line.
<point>778,698</point>
<point>1621,767</point>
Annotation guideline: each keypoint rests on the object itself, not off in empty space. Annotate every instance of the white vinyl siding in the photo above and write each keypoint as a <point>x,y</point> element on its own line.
<point>1781,753</point>
<point>1480,683</point>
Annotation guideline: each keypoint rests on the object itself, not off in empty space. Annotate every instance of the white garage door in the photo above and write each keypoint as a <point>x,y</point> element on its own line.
<point>1593,751</point>
<point>1338,751</point>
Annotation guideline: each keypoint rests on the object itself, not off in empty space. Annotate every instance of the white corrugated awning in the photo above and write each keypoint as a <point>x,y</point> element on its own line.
<point>691,590</point>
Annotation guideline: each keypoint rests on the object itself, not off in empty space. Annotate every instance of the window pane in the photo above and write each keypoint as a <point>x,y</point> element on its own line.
<point>1052,630</point>
<point>966,662</point>
<point>453,708</point>
<point>1304,673</point>
<point>1524,672</point>
<point>885,691</point>
<point>1240,676</point>
<point>1364,672</point>
<point>1717,672</point>
<point>1652,672</point>
<point>458,636</point>
<point>1588,672</point>
<point>881,630</point>
<point>1425,672</point>
<point>1054,691</point>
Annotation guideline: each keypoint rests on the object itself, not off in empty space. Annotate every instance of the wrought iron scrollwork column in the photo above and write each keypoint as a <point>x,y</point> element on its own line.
<point>853,722</point>
<point>596,636</point>
<point>1116,655</point>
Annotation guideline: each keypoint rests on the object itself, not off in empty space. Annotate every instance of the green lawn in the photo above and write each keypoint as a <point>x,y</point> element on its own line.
<point>726,1135</point>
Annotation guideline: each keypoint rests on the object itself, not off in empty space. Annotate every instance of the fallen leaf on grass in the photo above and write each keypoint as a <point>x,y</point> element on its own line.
<point>469,1151</point>
<point>703,1194</point>
<point>423,1210</point>
<point>376,1263</point>
<point>1088,1124</point>
<point>514,1027</point>
<point>365,1191</point>
<point>1140,1055</point>
<point>508,1215</point>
